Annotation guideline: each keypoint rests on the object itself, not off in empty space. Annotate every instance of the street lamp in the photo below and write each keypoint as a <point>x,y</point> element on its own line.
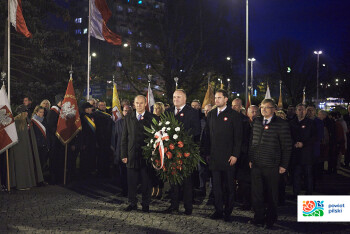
<point>93,54</point>
<point>228,85</point>
<point>251,60</point>
<point>228,58</point>
<point>318,68</point>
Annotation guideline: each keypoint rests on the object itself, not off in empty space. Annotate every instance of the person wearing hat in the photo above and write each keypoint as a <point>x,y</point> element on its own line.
<point>87,140</point>
<point>24,161</point>
<point>56,153</point>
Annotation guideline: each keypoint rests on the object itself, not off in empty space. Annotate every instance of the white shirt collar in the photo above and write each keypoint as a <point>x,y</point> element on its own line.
<point>268,120</point>
<point>179,108</point>
<point>221,109</point>
<point>137,114</point>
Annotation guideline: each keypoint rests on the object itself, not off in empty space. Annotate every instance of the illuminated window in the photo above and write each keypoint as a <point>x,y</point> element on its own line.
<point>119,64</point>
<point>129,32</point>
<point>119,8</point>
<point>148,45</point>
<point>148,66</point>
<point>139,44</point>
<point>78,20</point>
<point>156,6</point>
<point>130,10</point>
<point>78,31</point>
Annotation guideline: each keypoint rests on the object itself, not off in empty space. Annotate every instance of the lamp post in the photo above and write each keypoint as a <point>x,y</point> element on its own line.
<point>246,53</point>
<point>128,45</point>
<point>318,70</point>
<point>251,60</point>
<point>228,85</point>
<point>176,79</point>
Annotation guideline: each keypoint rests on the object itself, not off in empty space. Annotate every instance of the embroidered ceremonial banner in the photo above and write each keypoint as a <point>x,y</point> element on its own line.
<point>69,123</point>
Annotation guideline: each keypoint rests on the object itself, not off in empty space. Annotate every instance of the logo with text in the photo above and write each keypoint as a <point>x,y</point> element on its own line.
<point>313,208</point>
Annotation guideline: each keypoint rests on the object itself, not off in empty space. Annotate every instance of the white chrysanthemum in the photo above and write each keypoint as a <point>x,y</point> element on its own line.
<point>168,129</point>
<point>151,141</point>
<point>148,145</point>
<point>167,122</point>
<point>160,124</point>
<point>175,136</point>
<point>154,145</point>
<point>177,129</point>
<point>163,129</point>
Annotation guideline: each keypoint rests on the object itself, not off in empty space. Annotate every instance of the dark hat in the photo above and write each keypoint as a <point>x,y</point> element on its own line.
<point>22,108</point>
<point>58,98</point>
<point>86,105</point>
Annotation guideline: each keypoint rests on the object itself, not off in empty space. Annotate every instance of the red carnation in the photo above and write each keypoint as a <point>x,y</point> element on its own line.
<point>179,162</point>
<point>169,155</point>
<point>180,144</point>
<point>171,146</point>
<point>186,155</point>
<point>179,155</point>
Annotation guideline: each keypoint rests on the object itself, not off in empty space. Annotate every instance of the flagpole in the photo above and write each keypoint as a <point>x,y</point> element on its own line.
<point>8,51</point>
<point>65,164</point>
<point>8,171</point>
<point>89,56</point>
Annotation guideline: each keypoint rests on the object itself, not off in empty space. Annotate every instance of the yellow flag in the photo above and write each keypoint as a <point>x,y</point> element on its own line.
<point>280,101</point>
<point>209,97</point>
<point>116,109</point>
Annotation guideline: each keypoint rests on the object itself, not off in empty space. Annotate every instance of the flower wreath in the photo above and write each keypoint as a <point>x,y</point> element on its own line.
<point>170,149</point>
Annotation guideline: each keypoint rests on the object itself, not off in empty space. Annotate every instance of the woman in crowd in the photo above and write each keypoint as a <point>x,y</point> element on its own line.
<point>25,169</point>
<point>46,105</point>
<point>39,126</point>
<point>158,184</point>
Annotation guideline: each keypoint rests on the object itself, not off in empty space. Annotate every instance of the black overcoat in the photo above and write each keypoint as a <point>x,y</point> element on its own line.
<point>190,119</point>
<point>224,132</point>
<point>133,139</point>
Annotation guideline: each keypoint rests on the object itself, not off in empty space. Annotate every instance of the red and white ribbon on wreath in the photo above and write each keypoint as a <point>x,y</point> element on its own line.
<point>159,144</point>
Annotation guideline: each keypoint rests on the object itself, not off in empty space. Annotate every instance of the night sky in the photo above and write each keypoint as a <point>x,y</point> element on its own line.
<point>318,24</point>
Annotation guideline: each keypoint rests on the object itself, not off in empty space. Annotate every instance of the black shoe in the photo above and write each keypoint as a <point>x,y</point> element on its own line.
<point>256,223</point>
<point>130,208</point>
<point>145,209</point>
<point>228,218</point>
<point>171,209</point>
<point>216,215</point>
<point>244,207</point>
<point>268,225</point>
<point>188,211</point>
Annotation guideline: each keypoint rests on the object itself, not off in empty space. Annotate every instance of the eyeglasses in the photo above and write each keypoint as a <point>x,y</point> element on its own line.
<point>266,107</point>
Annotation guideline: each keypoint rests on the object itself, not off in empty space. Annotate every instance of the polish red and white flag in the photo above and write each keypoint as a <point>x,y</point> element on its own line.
<point>17,19</point>
<point>8,133</point>
<point>100,14</point>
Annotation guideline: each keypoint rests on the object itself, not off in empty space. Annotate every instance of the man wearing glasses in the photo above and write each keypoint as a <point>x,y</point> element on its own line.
<point>269,154</point>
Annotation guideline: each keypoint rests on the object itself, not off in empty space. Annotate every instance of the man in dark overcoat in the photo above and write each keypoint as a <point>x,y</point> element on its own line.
<point>190,119</point>
<point>224,131</point>
<point>133,139</point>
<point>304,135</point>
<point>104,125</point>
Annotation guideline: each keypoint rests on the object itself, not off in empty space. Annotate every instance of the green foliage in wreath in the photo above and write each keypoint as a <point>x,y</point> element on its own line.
<point>181,154</point>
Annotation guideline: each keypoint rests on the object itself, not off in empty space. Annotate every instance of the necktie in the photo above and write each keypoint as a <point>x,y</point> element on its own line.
<point>219,113</point>
<point>265,121</point>
<point>178,111</point>
<point>139,117</point>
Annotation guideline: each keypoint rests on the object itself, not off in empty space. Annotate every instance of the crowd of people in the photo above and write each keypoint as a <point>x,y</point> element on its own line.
<point>251,155</point>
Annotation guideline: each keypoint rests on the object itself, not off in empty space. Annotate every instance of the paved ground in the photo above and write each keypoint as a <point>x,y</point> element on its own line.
<point>92,207</point>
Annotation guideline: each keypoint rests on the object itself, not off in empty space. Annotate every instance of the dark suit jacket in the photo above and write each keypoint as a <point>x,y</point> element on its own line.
<point>304,131</point>
<point>224,132</point>
<point>133,139</point>
<point>190,119</point>
<point>104,125</point>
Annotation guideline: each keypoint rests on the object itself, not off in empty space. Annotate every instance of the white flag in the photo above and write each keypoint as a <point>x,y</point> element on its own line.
<point>8,133</point>
<point>268,95</point>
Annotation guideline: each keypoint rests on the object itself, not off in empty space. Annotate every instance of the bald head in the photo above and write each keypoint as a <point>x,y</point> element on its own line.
<point>237,104</point>
<point>140,103</point>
